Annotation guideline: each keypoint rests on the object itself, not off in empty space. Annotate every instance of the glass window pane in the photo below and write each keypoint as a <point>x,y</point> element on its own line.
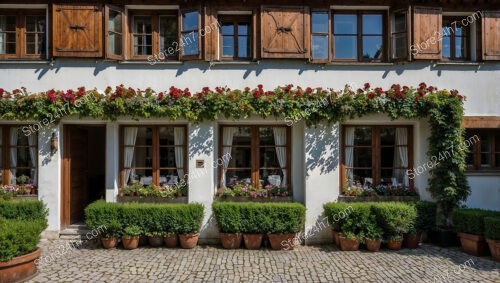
<point>362,176</point>
<point>244,46</point>
<point>345,47</point>
<point>166,136</point>
<point>242,136</point>
<point>266,136</point>
<point>387,157</point>
<point>243,28</point>
<point>143,176</point>
<point>461,47</point>
<point>345,24</point>
<point>167,156</point>
<point>497,160</point>
<point>227,29</point>
<point>387,136</point>
<point>400,22</point>
<point>228,46</point>
<point>400,43</point>
<point>485,143</point>
<point>171,177</point>
<point>271,176</point>
<point>362,157</point>
<point>168,35</point>
<point>115,21</point>
<point>486,159</point>
<point>320,46</point>
<point>144,136</point>
<point>190,43</point>
<point>363,136</point>
<point>143,157</point>
<point>142,24</point>
<point>236,176</point>
<point>446,47</point>
<point>240,157</point>
<point>190,21</point>
<point>319,22</point>
<point>372,47</point>
<point>497,142</point>
<point>268,158</point>
<point>115,44</point>
<point>372,24</point>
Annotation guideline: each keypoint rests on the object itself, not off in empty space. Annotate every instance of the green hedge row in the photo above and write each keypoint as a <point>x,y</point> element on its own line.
<point>259,218</point>
<point>23,209</point>
<point>151,218</point>
<point>492,228</point>
<point>376,220</point>
<point>472,220</point>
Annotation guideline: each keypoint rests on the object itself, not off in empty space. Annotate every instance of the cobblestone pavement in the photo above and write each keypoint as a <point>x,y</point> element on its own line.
<point>61,262</point>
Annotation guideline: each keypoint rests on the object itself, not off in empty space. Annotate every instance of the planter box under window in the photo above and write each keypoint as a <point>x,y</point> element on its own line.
<point>250,199</point>
<point>378,198</point>
<point>152,199</point>
<point>26,197</point>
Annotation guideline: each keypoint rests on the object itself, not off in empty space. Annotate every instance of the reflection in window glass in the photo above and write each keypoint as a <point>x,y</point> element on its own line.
<point>168,35</point>
<point>190,36</point>
<point>319,35</point>
<point>143,35</point>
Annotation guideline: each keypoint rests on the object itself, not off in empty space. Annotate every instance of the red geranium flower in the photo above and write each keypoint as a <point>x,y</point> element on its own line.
<point>367,85</point>
<point>309,90</point>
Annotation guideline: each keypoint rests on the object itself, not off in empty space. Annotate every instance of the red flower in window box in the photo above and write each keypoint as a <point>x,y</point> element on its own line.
<point>309,90</point>
<point>367,85</point>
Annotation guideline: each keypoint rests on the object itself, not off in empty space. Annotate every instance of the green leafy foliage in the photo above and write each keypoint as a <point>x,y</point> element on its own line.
<point>395,218</point>
<point>23,209</point>
<point>19,237</point>
<point>260,218</point>
<point>492,228</point>
<point>132,231</point>
<point>471,220</point>
<point>426,216</point>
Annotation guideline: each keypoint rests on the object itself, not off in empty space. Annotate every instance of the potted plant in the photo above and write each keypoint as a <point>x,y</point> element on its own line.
<point>189,219</point>
<point>228,219</point>
<point>282,222</point>
<point>411,239</point>
<point>171,240</point>
<point>335,213</point>
<point>425,221</point>
<point>349,241</point>
<point>109,236</point>
<point>394,242</point>
<point>130,237</point>
<point>155,238</point>
<point>373,237</point>
<point>492,233</point>
<point>469,223</point>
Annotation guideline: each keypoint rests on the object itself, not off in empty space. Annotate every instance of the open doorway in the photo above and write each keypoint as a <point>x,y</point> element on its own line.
<point>83,170</point>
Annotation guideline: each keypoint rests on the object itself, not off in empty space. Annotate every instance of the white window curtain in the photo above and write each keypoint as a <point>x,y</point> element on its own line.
<point>13,153</point>
<point>280,142</point>
<point>401,156</point>
<point>179,138</point>
<point>130,136</point>
<point>349,154</point>
<point>32,138</point>
<point>227,141</point>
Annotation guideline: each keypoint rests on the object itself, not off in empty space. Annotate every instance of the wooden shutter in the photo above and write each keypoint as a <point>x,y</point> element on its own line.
<point>210,33</point>
<point>491,35</point>
<point>77,30</point>
<point>427,25</point>
<point>284,32</point>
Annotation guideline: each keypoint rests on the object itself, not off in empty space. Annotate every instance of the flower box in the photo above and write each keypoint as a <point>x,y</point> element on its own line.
<point>250,199</point>
<point>141,199</point>
<point>378,198</point>
<point>26,197</point>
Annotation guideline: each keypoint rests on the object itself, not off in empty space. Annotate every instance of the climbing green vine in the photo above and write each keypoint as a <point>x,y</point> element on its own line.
<point>444,109</point>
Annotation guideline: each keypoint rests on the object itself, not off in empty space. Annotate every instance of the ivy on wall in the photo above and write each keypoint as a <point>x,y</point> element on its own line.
<point>448,184</point>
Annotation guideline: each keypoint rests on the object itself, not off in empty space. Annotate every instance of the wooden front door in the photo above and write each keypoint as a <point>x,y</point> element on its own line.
<point>75,169</point>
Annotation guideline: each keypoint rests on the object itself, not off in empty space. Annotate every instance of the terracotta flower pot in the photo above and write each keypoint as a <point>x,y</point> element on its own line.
<point>188,241</point>
<point>348,244</point>
<point>171,241</point>
<point>411,241</point>
<point>494,248</point>
<point>282,241</point>
<point>230,240</point>
<point>473,244</point>
<point>109,243</point>
<point>143,240</point>
<point>336,240</point>
<point>130,243</point>
<point>394,245</point>
<point>155,241</point>
<point>373,245</point>
<point>19,268</point>
<point>252,241</point>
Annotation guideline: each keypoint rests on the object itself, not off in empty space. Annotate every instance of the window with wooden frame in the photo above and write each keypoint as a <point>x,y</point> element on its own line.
<point>23,34</point>
<point>374,155</point>
<point>359,36</point>
<point>320,36</point>
<point>153,155</point>
<point>236,37</point>
<point>115,32</point>
<point>18,155</point>
<point>256,155</point>
<point>190,36</point>
<point>400,34</point>
<point>154,33</point>
<point>456,39</point>
<point>484,149</point>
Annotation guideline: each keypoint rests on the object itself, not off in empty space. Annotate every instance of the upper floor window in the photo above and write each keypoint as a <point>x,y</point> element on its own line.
<point>320,35</point>
<point>484,149</point>
<point>358,36</point>
<point>190,36</point>
<point>236,37</point>
<point>22,34</point>
<point>455,39</point>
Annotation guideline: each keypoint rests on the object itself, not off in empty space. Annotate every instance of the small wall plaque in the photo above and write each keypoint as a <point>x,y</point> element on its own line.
<point>200,163</point>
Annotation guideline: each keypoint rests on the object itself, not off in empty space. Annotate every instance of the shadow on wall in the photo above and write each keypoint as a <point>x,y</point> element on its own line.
<point>322,148</point>
<point>201,140</point>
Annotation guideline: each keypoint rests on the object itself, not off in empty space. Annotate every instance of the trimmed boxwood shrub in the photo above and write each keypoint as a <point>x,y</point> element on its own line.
<point>151,218</point>
<point>23,209</point>
<point>395,218</point>
<point>471,220</point>
<point>333,213</point>
<point>426,215</point>
<point>260,218</point>
<point>19,237</point>
<point>492,228</point>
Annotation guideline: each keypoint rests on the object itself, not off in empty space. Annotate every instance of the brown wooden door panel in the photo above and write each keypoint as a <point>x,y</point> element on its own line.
<point>491,35</point>
<point>77,30</point>
<point>427,26</point>
<point>284,32</point>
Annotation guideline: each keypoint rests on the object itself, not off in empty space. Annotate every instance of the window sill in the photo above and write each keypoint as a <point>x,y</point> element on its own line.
<point>359,64</point>
<point>25,62</point>
<point>213,63</point>
<point>475,64</point>
<point>485,173</point>
<point>152,63</point>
